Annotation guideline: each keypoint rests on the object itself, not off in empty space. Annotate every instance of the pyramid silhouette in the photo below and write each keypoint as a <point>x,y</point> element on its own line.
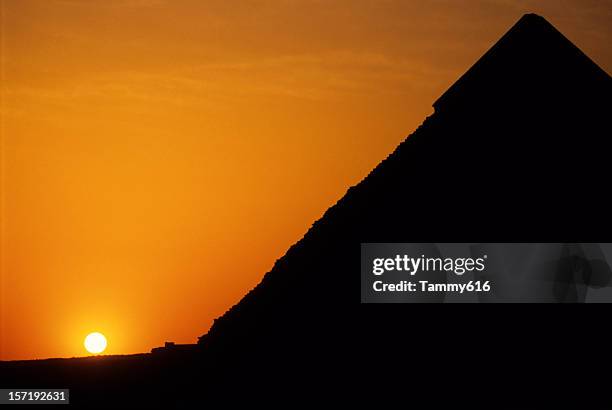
<point>514,151</point>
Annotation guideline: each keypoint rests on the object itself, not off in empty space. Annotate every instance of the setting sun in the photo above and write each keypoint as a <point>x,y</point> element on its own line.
<point>95,343</point>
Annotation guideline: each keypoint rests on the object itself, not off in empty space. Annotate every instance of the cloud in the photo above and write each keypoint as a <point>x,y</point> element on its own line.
<point>331,76</point>
<point>114,3</point>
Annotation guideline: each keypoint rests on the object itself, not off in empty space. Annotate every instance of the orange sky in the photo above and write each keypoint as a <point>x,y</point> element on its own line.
<point>159,156</point>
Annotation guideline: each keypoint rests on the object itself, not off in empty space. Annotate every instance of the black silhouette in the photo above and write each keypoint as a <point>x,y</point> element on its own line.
<point>515,151</point>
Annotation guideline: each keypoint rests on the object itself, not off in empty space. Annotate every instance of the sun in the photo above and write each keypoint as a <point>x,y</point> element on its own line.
<point>95,342</point>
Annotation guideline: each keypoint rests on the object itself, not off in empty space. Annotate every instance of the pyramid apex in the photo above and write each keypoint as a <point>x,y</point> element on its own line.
<point>532,54</point>
<point>531,16</point>
<point>532,19</point>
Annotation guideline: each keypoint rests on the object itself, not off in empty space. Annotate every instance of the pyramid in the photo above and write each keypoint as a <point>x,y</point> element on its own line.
<point>514,151</point>
<point>531,59</point>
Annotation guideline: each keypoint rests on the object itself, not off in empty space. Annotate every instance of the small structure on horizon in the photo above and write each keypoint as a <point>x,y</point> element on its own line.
<point>174,348</point>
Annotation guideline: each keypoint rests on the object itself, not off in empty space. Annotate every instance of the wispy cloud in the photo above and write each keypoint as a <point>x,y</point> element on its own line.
<point>331,76</point>
<point>113,3</point>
